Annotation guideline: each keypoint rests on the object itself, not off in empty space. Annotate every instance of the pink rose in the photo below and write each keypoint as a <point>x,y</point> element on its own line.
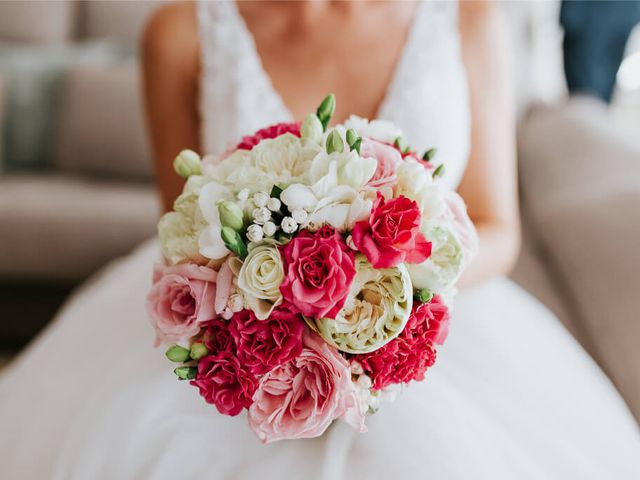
<point>181,297</point>
<point>392,234</point>
<point>408,356</point>
<point>272,131</point>
<point>263,345</point>
<point>301,398</point>
<point>319,269</point>
<point>224,383</point>
<point>386,156</point>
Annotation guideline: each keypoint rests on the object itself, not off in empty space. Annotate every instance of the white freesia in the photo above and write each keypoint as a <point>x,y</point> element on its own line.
<point>259,277</point>
<point>210,240</point>
<point>376,311</point>
<point>178,231</point>
<point>334,195</point>
<point>381,130</point>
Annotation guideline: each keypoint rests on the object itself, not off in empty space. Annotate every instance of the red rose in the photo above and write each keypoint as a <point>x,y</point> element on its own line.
<point>319,269</point>
<point>392,234</point>
<point>408,356</point>
<point>265,344</point>
<point>272,131</point>
<point>223,382</point>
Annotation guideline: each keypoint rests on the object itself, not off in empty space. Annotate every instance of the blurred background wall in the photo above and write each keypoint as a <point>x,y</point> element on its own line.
<point>76,183</point>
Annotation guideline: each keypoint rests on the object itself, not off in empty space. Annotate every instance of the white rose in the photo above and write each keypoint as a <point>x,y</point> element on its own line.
<point>259,278</point>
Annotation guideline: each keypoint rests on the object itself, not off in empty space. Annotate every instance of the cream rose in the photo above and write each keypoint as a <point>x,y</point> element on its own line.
<point>259,277</point>
<point>376,311</point>
<point>179,230</point>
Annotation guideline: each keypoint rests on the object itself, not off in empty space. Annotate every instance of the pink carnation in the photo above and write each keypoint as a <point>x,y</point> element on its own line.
<point>273,131</point>
<point>301,398</point>
<point>391,235</point>
<point>263,345</point>
<point>181,298</point>
<point>224,383</point>
<point>409,356</point>
<point>319,269</point>
<point>387,157</point>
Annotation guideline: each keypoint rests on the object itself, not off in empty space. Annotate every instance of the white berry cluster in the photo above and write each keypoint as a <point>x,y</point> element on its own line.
<point>263,226</point>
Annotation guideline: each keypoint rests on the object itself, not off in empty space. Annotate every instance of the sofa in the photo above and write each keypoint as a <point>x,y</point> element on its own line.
<point>88,197</point>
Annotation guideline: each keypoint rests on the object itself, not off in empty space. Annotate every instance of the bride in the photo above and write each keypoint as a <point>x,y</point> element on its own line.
<point>512,396</point>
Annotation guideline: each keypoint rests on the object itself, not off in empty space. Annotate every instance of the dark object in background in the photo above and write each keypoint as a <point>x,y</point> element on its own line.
<point>595,36</point>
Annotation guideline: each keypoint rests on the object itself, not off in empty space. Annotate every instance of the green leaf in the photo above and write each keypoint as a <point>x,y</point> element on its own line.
<point>429,154</point>
<point>276,191</point>
<point>178,354</point>
<point>438,172</point>
<point>401,144</point>
<point>186,373</point>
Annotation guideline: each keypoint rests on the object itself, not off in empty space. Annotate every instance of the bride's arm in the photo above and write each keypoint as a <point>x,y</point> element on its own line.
<point>170,61</point>
<point>490,183</point>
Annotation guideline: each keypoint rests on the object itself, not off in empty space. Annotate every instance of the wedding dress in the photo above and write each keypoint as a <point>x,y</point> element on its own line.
<point>511,396</point>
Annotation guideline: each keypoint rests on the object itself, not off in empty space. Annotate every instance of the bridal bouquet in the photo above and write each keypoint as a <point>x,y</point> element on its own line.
<point>308,271</point>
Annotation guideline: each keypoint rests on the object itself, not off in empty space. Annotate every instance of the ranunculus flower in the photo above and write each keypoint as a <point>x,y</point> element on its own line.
<point>265,344</point>
<point>376,310</point>
<point>392,234</point>
<point>223,382</point>
<point>409,356</point>
<point>259,278</point>
<point>301,398</point>
<point>181,298</point>
<point>319,269</point>
<point>272,131</point>
<point>387,157</point>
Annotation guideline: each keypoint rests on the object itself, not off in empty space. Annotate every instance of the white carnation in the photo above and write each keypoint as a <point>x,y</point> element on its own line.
<point>381,130</point>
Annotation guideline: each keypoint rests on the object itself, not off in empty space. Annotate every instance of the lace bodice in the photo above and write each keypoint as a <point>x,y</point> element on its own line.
<point>427,96</point>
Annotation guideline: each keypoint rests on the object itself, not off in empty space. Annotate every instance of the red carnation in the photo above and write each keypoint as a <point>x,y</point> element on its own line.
<point>223,382</point>
<point>216,336</point>
<point>391,235</point>
<point>408,356</point>
<point>265,344</point>
<point>319,269</point>
<point>273,131</point>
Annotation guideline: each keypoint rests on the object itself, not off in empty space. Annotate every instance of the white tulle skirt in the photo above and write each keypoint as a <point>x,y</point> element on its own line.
<point>512,395</point>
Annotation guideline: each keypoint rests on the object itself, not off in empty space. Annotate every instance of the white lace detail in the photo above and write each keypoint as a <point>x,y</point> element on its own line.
<point>427,97</point>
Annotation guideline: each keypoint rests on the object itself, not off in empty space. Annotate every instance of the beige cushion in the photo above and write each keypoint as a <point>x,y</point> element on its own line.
<point>101,126</point>
<point>122,20</point>
<point>63,228</point>
<point>39,21</point>
<point>581,188</point>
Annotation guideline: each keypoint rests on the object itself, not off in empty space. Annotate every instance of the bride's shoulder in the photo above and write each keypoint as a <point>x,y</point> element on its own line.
<point>171,34</point>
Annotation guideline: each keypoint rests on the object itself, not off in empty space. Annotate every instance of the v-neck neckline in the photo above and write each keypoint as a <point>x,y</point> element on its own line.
<point>398,67</point>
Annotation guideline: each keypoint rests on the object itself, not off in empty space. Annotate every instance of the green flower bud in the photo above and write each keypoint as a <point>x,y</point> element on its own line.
<point>354,140</point>
<point>231,215</point>
<point>334,143</point>
<point>429,154</point>
<point>233,241</point>
<point>401,144</point>
<point>187,163</point>
<point>186,373</point>
<point>311,129</point>
<point>198,350</point>
<point>326,110</point>
<point>176,353</point>
<point>424,296</point>
<point>439,171</point>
